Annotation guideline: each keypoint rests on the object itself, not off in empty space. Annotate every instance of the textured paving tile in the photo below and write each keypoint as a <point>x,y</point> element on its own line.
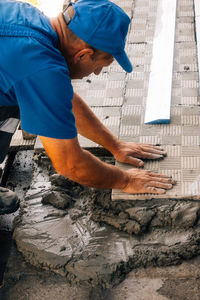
<point>119,99</point>
<point>19,143</point>
<point>181,138</point>
<point>110,116</point>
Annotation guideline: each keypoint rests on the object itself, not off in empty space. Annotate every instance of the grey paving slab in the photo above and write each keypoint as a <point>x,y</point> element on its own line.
<point>181,138</point>
<point>119,99</point>
<point>19,143</point>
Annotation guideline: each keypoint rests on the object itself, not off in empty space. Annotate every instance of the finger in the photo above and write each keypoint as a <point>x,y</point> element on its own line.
<point>156,147</point>
<point>168,180</point>
<point>134,161</point>
<point>151,146</point>
<point>150,155</point>
<point>166,186</point>
<point>154,150</point>
<point>165,180</point>
<point>154,190</point>
<point>157,175</point>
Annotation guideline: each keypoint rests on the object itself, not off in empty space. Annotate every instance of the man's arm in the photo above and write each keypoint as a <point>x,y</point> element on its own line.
<point>91,127</point>
<point>71,161</point>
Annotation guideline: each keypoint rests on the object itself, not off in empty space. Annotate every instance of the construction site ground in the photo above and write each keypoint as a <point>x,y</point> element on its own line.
<point>72,242</point>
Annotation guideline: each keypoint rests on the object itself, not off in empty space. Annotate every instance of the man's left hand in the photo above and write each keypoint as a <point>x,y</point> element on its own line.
<point>129,153</point>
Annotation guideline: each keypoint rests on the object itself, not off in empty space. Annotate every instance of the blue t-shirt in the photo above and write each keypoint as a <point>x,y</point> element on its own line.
<point>33,73</point>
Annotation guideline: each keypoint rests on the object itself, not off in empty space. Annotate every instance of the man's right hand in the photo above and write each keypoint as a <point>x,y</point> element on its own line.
<point>143,182</point>
<point>71,161</point>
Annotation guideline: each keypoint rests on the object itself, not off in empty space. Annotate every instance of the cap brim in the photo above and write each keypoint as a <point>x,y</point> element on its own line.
<point>124,61</point>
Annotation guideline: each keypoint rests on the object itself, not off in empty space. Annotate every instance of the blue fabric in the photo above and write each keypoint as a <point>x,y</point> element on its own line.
<point>103,25</point>
<point>33,72</point>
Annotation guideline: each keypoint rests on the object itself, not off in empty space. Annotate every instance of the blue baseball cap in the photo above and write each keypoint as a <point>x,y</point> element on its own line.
<point>104,26</point>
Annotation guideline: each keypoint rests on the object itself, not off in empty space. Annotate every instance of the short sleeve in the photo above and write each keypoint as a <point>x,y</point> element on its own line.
<point>45,102</point>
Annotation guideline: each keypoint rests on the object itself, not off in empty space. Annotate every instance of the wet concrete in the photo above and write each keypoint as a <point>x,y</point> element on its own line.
<point>23,281</point>
<point>174,283</point>
<point>78,253</point>
<point>19,180</point>
<point>141,216</point>
<point>95,241</point>
<point>19,279</point>
<point>5,242</point>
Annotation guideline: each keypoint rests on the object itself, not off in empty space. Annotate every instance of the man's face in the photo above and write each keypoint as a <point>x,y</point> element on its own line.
<point>87,65</point>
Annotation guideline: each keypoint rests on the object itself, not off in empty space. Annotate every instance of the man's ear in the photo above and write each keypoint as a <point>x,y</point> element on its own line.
<point>83,55</point>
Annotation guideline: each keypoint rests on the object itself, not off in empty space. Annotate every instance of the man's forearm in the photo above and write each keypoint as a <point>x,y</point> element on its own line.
<point>81,166</point>
<point>90,126</point>
<point>91,171</point>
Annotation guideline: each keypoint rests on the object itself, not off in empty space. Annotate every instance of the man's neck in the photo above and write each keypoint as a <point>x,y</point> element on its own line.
<point>59,26</point>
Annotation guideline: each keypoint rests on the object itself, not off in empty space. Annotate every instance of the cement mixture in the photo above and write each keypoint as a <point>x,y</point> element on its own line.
<point>93,241</point>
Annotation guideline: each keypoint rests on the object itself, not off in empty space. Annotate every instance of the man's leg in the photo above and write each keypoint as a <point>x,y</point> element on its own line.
<point>9,119</point>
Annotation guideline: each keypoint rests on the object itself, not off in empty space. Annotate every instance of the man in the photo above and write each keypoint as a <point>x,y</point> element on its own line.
<point>39,57</point>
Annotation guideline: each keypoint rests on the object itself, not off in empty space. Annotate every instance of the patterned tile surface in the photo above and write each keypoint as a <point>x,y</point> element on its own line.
<point>19,143</point>
<point>119,99</point>
<point>181,138</point>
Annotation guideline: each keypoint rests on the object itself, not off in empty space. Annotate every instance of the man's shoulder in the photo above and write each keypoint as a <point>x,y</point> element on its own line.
<point>16,13</point>
<point>22,57</point>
